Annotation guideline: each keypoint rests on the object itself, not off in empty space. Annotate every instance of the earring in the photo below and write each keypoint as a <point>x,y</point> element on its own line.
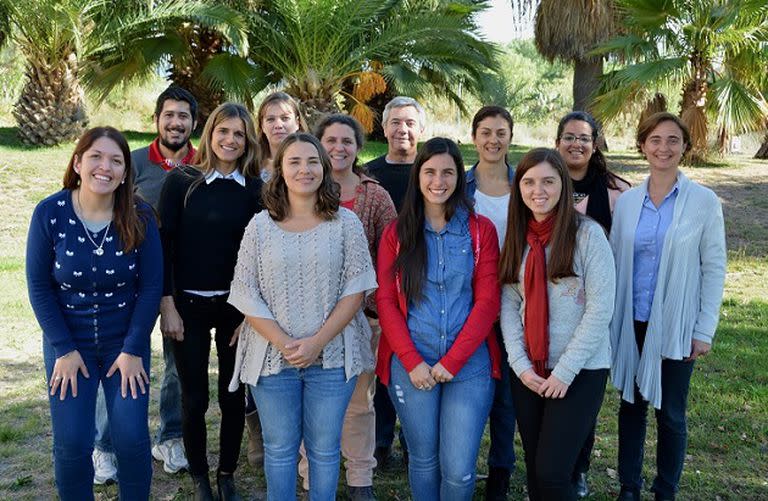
<point>122,182</point>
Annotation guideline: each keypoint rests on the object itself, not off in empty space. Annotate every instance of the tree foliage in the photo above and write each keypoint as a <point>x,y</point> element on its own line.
<point>714,51</point>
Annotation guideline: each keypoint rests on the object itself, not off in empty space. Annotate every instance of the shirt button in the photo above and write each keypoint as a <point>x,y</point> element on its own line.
<point>95,306</point>
<point>95,294</point>
<point>95,322</point>
<point>442,312</point>
<point>93,269</point>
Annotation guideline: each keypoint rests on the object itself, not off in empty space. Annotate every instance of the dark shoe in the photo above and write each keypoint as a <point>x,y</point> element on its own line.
<point>628,494</point>
<point>382,455</point>
<point>255,441</point>
<point>226,485</point>
<point>203,491</point>
<point>660,497</point>
<point>361,493</point>
<point>582,488</point>
<point>497,484</point>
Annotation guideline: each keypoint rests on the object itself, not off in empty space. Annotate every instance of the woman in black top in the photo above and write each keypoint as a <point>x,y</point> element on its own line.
<point>204,209</point>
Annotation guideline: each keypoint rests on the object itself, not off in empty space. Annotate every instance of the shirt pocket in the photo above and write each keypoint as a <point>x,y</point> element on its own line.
<point>459,259</point>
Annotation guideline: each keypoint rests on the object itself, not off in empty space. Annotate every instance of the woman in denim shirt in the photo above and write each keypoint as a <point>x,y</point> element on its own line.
<point>437,301</point>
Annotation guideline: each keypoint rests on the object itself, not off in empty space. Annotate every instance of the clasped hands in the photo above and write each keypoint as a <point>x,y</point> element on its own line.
<point>424,377</point>
<point>550,387</point>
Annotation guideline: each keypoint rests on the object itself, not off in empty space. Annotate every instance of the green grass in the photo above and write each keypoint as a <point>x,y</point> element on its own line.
<point>728,418</point>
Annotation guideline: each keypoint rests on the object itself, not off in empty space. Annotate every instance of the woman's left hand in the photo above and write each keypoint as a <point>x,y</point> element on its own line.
<point>440,373</point>
<point>553,388</point>
<point>698,349</point>
<point>304,351</point>
<point>132,374</point>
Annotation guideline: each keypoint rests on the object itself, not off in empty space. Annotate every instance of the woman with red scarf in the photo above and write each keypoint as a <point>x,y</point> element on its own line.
<point>558,281</point>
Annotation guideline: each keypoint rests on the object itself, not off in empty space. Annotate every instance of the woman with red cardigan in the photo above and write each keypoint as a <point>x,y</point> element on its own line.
<point>438,298</point>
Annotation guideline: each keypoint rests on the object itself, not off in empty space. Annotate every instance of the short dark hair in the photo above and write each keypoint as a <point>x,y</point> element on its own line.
<point>492,111</point>
<point>176,93</point>
<point>349,121</point>
<point>649,124</point>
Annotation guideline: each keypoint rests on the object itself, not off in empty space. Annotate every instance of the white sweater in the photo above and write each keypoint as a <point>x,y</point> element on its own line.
<point>580,310</point>
<point>689,289</point>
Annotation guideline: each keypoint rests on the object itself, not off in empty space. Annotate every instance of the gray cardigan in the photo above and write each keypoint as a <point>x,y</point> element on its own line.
<point>580,310</point>
<point>689,290</point>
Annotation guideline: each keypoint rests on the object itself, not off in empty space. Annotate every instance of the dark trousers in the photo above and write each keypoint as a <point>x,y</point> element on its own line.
<point>582,463</point>
<point>553,431</point>
<point>502,420</point>
<point>386,417</point>
<point>672,438</point>
<point>200,315</point>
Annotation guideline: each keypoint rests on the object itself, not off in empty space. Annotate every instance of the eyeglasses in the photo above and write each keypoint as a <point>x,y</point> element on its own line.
<point>570,139</point>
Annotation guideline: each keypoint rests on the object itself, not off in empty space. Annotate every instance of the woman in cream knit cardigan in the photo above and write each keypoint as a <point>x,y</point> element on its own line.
<point>668,241</point>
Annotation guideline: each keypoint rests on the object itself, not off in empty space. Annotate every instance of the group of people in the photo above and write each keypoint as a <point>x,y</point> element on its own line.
<point>503,292</point>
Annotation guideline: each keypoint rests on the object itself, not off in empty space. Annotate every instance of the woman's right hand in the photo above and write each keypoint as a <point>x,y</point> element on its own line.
<point>65,371</point>
<point>171,324</point>
<point>532,380</point>
<point>421,377</point>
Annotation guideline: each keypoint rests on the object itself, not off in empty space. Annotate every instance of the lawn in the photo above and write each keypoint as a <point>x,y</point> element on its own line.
<point>728,419</point>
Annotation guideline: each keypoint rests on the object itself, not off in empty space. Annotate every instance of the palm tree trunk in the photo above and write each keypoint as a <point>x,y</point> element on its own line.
<point>50,109</point>
<point>692,110</point>
<point>586,80</point>
<point>763,151</point>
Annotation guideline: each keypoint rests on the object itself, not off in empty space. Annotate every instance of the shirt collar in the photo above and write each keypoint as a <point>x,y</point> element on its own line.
<point>510,174</point>
<point>456,225</point>
<point>672,193</point>
<point>235,175</point>
<point>156,157</point>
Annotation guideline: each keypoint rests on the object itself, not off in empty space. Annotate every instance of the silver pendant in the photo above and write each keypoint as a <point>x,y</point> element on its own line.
<point>98,251</point>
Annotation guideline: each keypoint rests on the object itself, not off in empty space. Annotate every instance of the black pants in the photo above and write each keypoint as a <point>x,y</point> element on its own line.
<point>553,431</point>
<point>582,463</point>
<point>672,427</point>
<point>200,315</point>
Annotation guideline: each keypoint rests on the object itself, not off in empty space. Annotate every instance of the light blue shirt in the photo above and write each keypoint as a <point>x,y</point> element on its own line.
<point>649,240</point>
<point>436,320</point>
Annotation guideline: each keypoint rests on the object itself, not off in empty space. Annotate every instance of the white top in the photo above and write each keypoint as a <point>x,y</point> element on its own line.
<point>296,279</point>
<point>495,209</point>
<point>235,176</point>
<point>689,289</point>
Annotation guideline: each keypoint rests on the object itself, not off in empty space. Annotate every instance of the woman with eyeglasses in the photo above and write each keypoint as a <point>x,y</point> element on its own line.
<point>595,191</point>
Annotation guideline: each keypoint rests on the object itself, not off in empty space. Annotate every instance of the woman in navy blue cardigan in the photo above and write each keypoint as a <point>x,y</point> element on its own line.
<point>94,272</point>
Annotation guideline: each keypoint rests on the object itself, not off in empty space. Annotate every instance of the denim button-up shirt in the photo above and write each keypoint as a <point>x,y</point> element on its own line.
<point>649,240</point>
<point>436,320</point>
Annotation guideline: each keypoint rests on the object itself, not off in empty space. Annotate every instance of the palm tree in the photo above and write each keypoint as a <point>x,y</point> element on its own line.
<point>66,43</point>
<point>709,49</point>
<point>320,49</point>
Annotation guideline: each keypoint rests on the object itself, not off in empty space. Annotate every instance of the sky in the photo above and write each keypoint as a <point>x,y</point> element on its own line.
<point>496,23</point>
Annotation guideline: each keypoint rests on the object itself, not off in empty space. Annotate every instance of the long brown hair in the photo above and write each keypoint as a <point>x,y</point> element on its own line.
<point>129,226</point>
<point>275,98</point>
<point>205,160</point>
<point>411,262</point>
<point>275,192</point>
<point>563,242</point>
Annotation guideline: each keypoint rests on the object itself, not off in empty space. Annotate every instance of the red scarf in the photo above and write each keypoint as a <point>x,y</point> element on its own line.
<point>156,157</point>
<point>536,303</point>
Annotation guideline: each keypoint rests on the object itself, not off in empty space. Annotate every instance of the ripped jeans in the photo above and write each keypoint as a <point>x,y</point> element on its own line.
<point>443,428</point>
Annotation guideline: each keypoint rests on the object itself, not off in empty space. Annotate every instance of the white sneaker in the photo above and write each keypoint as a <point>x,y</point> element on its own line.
<point>104,467</point>
<point>171,453</point>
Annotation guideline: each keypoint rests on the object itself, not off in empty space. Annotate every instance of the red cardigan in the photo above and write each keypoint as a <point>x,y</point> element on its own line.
<point>393,306</point>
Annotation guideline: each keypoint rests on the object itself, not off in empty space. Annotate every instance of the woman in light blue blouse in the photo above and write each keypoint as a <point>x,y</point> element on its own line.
<point>94,272</point>
<point>668,239</point>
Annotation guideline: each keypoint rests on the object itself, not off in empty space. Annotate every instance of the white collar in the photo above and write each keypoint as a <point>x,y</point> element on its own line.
<point>235,175</point>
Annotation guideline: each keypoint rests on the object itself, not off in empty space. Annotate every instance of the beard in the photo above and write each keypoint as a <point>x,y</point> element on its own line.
<point>174,146</point>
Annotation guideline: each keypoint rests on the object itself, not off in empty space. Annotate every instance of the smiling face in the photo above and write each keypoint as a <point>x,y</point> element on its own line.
<point>664,146</point>
<point>403,130</point>
<point>576,146</point>
<point>101,167</point>
<point>437,179</point>
<point>340,143</point>
<point>279,120</point>
<point>492,139</point>
<point>175,124</point>
<point>302,169</point>
<point>540,190</point>
<point>228,143</point>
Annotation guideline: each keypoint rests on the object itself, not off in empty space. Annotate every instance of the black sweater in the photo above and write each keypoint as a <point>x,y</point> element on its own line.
<point>201,237</point>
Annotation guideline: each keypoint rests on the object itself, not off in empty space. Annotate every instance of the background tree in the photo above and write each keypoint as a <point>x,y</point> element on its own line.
<point>712,50</point>
<point>65,44</point>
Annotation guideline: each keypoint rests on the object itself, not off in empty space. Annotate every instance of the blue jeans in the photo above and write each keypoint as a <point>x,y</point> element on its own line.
<point>306,404</point>
<point>443,428</point>
<point>502,421</point>
<point>170,405</point>
<point>73,421</point>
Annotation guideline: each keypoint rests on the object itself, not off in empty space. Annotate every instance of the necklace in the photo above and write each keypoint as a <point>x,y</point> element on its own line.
<point>99,250</point>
